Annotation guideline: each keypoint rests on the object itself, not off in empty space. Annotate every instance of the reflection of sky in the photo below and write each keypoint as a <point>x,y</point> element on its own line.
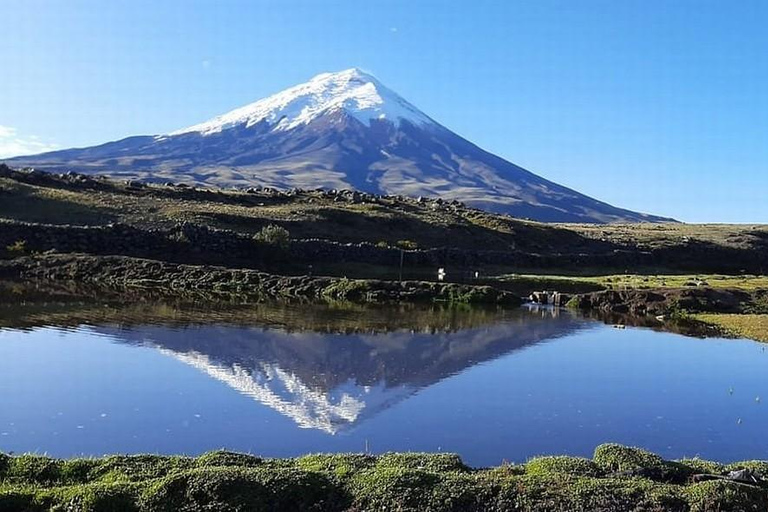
<point>74,392</point>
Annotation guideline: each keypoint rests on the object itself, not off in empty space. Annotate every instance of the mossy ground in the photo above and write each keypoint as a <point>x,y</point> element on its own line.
<point>616,479</point>
<point>596,282</point>
<point>745,326</point>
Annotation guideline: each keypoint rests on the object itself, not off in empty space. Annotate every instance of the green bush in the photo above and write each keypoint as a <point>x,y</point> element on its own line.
<point>274,235</point>
<point>17,248</point>
<point>134,468</point>
<point>225,458</point>
<point>391,488</point>
<point>559,492</point>
<point>436,462</point>
<point>619,479</point>
<point>21,499</point>
<point>463,492</point>
<point>721,495</point>
<point>77,471</point>
<point>5,462</point>
<point>246,489</point>
<point>340,466</point>
<point>346,290</point>
<point>615,458</point>
<point>703,466</point>
<point>114,497</point>
<point>562,464</point>
<point>573,303</point>
<point>34,468</point>
<point>758,466</point>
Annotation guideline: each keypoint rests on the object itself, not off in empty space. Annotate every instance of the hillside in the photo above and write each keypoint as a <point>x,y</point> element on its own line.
<point>349,229</point>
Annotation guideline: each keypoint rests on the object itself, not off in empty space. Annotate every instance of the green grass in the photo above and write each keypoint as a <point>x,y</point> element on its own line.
<point>744,326</point>
<point>226,481</point>
<point>641,281</point>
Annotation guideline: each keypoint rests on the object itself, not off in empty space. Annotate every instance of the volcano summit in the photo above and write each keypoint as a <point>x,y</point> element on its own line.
<point>339,130</point>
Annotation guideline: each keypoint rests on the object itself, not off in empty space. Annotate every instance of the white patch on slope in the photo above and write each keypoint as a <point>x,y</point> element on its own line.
<point>353,91</point>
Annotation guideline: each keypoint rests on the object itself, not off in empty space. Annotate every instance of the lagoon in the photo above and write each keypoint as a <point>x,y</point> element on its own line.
<point>280,381</point>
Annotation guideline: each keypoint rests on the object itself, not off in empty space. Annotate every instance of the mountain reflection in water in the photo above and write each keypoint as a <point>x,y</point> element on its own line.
<point>79,377</point>
<point>330,381</point>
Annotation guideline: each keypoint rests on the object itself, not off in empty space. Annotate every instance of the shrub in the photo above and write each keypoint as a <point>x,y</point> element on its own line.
<point>225,458</point>
<point>339,465</point>
<point>573,303</point>
<point>390,488</point>
<point>5,463</point>
<point>252,489</point>
<point>703,466</point>
<point>574,493</point>
<point>114,497</point>
<point>724,495</point>
<point>34,469</point>
<point>17,248</point>
<point>436,462</point>
<point>137,467</point>
<point>228,482</point>
<point>758,466</point>
<point>615,458</point>
<point>562,464</point>
<point>18,499</point>
<point>75,471</point>
<point>407,245</point>
<point>346,290</point>
<point>274,235</point>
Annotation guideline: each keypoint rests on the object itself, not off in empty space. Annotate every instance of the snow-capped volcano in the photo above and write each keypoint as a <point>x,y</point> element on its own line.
<point>352,91</point>
<point>339,130</point>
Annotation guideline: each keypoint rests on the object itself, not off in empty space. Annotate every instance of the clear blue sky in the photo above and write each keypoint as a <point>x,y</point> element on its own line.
<point>653,105</point>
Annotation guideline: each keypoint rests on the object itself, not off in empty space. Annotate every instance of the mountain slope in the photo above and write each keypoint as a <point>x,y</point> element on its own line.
<point>340,130</point>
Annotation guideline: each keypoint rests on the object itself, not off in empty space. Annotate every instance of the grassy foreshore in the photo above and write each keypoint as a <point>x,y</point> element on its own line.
<point>641,281</point>
<point>616,479</point>
<point>744,326</point>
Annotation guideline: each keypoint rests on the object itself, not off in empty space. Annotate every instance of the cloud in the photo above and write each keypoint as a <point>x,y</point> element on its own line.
<point>393,29</point>
<point>12,144</point>
<point>206,64</point>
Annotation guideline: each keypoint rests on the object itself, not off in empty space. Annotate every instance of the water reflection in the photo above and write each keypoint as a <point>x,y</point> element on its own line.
<point>325,367</point>
<point>85,377</point>
<point>334,379</point>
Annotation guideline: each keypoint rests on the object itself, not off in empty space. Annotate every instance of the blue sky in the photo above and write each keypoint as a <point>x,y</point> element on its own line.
<point>653,105</point>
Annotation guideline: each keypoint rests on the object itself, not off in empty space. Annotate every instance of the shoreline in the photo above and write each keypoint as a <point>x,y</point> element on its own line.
<point>164,278</point>
<point>616,479</point>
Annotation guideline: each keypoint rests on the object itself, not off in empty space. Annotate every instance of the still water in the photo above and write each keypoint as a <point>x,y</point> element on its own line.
<point>492,386</point>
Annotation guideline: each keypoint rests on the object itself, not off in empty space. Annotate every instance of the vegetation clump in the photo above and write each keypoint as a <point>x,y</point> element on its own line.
<point>717,495</point>
<point>274,235</point>
<point>618,479</point>
<point>562,465</point>
<point>17,248</point>
<point>744,326</point>
<point>759,467</point>
<point>434,462</point>
<point>629,461</point>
